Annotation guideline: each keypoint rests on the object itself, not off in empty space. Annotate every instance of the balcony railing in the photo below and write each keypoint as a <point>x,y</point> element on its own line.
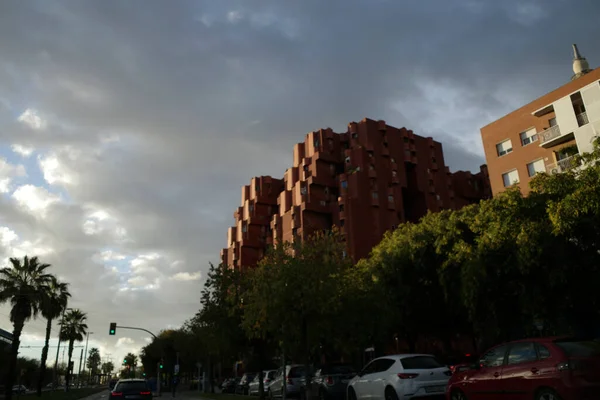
<point>549,134</point>
<point>562,165</point>
<point>582,119</point>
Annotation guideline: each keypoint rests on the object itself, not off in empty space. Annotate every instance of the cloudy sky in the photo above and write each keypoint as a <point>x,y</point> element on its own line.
<point>128,127</point>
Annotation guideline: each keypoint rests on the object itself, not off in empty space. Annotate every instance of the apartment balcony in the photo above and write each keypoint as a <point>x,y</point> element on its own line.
<point>582,119</point>
<point>553,136</point>
<point>563,165</point>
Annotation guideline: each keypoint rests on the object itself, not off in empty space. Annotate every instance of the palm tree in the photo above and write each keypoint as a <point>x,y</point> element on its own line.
<point>21,284</point>
<point>73,328</point>
<point>54,301</point>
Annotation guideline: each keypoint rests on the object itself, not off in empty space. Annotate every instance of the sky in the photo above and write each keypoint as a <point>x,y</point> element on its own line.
<point>128,127</point>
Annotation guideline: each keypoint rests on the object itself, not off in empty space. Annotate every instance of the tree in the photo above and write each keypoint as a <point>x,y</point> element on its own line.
<point>54,301</point>
<point>294,293</point>
<point>93,361</point>
<point>21,284</point>
<point>129,364</point>
<point>73,329</point>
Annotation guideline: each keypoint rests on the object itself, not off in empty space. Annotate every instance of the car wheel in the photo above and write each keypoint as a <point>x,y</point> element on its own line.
<point>458,395</point>
<point>547,394</point>
<point>390,394</point>
<point>351,394</point>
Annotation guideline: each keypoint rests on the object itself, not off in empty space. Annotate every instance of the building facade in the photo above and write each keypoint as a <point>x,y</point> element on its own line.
<point>366,181</point>
<point>544,135</point>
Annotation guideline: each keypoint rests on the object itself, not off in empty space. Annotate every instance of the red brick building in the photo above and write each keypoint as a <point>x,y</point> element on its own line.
<point>366,181</point>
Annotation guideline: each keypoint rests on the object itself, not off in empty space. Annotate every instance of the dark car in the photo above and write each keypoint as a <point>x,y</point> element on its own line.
<point>330,381</point>
<point>229,385</point>
<point>536,369</point>
<point>242,385</point>
<point>111,384</point>
<point>131,389</point>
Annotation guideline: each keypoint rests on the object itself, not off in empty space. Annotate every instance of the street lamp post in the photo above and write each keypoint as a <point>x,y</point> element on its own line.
<point>62,319</point>
<point>86,348</point>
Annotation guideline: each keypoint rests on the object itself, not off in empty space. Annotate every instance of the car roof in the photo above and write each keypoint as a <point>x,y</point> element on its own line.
<point>548,339</point>
<point>131,380</point>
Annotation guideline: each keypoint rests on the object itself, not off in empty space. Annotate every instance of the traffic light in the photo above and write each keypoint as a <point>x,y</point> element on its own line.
<point>160,365</point>
<point>113,328</point>
<point>124,361</point>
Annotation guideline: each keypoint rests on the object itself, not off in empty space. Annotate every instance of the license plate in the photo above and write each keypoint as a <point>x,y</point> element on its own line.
<point>345,380</point>
<point>434,389</point>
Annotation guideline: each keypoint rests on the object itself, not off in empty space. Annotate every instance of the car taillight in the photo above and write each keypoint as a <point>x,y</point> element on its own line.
<point>267,380</point>
<point>145,393</point>
<point>407,376</point>
<point>116,394</point>
<point>329,380</point>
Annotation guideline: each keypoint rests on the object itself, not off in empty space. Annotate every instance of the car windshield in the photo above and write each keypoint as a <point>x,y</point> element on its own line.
<point>131,386</point>
<point>421,362</point>
<point>584,348</point>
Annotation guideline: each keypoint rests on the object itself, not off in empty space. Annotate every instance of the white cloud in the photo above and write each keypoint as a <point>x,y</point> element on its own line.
<point>35,199</point>
<point>125,341</point>
<point>235,16</point>
<point>53,171</point>
<point>32,119</point>
<point>187,276</point>
<point>23,151</point>
<point>7,173</point>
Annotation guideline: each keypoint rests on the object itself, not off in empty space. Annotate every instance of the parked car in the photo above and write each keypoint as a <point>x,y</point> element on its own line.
<point>293,377</point>
<point>242,386</point>
<point>330,382</point>
<point>541,369</point>
<point>229,385</point>
<point>19,389</point>
<point>400,377</point>
<point>268,376</point>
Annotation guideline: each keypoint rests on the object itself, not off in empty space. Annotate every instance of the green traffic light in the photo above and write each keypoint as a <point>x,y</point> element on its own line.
<point>161,366</point>
<point>125,361</point>
<point>112,331</point>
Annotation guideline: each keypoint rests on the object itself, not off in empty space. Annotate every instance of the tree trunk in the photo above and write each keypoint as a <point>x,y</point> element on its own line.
<point>14,353</point>
<point>44,357</point>
<point>68,374</point>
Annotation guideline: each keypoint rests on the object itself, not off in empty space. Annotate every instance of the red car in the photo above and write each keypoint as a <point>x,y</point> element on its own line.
<point>532,369</point>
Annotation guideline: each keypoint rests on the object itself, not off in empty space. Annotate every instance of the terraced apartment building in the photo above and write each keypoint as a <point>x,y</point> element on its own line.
<point>366,181</point>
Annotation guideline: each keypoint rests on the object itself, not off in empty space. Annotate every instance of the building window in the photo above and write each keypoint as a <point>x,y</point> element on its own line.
<point>251,208</point>
<point>342,223</point>
<point>374,195</point>
<point>330,143</point>
<point>303,190</point>
<point>371,167</point>
<point>326,190</point>
<point>391,198</point>
<point>437,196</point>
<point>552,122</point>
<point>393,160</point>
<point>370,153</point>
<point>510,178</point>
<point>394,173</point>
<point>407,153</point>
<point>344,184</point>
<point>385,144</point>
<point>316,143</point>
<point>341,208</point>
<point>528,137</point>
<point>244,228</point>
<point>344,254</point>
<point>405,139</point>
<point>536,167</point>
<point>504,147</point>
<point>347,160</point>
<point>433,160</point>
